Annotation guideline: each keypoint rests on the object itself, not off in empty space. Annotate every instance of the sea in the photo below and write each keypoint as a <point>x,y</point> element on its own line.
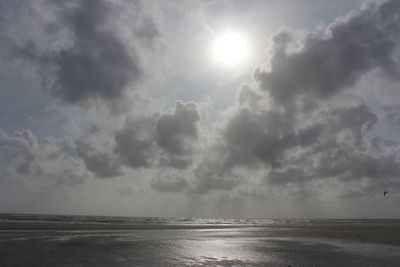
<point>70,240</point>
<point>80,219</point>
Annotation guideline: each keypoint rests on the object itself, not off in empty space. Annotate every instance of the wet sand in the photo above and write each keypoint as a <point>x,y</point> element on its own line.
<point>58,244</point>
<point>376,233</point>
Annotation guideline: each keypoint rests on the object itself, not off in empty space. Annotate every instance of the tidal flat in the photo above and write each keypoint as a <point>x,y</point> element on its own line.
<point>281,244</point>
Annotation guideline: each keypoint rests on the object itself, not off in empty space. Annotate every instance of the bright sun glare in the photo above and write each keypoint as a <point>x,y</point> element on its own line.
<point>230,48</point>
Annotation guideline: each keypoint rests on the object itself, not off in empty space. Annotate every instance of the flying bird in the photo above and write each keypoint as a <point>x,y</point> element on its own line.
<point>385,193</point>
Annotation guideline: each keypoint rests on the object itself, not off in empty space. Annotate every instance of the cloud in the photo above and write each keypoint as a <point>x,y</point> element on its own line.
<point>98,64</point>
<point>392,113</point>
<point>102,164</point>
<point>135,142</point>
<point>296,125</point>
<point>37,163</point>
<point>209,182</point>
<point>159,140</point>
<point>95,149</point>
<point>148,31</point>
<point>326,64</point>
<point>250,137</point>
<point>295,120</point>
<point>178,133</point>
<point>21,146</point>
<point>82,50</point>
<point>212,173</point>
<point>169,182</point>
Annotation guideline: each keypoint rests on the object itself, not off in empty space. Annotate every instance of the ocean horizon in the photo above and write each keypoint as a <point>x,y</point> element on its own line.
<point>109,219</point>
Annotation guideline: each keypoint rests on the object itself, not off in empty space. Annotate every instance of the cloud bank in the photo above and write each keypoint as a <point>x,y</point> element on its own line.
<point>299,124</point>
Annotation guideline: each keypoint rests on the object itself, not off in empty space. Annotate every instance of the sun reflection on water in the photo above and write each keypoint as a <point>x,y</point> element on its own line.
<point>222,247</point>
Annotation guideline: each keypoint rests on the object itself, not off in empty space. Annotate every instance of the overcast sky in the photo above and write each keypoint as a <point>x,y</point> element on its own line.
<point>125,107</point>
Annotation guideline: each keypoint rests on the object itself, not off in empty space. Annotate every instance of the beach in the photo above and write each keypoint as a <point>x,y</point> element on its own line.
<point>160,244</point>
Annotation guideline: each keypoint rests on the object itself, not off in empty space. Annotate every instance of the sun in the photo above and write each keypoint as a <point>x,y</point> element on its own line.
<point>230,48</point>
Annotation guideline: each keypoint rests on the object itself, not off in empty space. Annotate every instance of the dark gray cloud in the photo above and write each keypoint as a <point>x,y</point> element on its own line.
<point>250,137</point>
<point>97,153</point>
<point>102,164</point>
<point>351,46</point>
<point>159,140</point>
<point>342,148</point>
<point>173,130</point>
<point>178,133</point>
<point>98,64</point>
<point>135,142</point>
<point>81,49</point>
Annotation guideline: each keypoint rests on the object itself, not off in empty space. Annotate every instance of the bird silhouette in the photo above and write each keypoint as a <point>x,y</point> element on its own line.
<point>385,193</point>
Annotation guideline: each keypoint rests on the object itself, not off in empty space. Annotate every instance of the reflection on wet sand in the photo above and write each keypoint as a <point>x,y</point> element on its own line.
<point>242,246</point>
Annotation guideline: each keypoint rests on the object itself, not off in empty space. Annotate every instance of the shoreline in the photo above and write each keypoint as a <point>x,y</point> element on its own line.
<point>110,226</point>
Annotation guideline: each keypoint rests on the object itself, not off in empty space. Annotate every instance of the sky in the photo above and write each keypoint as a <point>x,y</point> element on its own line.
<point>214,108</point>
